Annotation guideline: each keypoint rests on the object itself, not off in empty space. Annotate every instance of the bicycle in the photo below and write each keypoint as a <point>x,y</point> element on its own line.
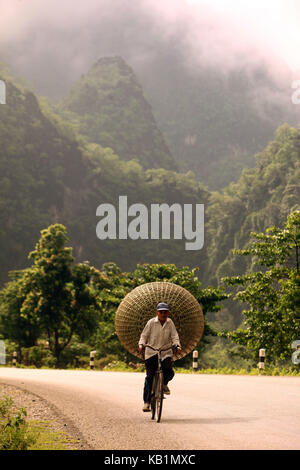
<point>157,391</point>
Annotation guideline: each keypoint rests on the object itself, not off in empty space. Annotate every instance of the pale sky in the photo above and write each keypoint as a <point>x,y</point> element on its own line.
<point>275,22</point>
<point>267,25</point>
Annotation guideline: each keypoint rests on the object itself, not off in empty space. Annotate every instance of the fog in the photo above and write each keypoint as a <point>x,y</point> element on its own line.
<point>51,43</point>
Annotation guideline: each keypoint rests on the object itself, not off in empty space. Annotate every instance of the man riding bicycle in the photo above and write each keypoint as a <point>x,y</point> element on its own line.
<point>159,331</point>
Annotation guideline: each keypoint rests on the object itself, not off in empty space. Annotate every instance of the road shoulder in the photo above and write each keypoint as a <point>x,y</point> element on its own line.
<point>39,410</point>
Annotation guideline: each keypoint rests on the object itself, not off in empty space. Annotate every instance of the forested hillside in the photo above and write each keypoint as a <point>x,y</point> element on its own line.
<point>215,120</point>
<point>40,168</point>
<point>107,106</point>
<point>50,173</point>
<point>264,196</point>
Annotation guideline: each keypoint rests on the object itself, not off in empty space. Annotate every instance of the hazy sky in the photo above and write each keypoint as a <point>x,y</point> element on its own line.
<point>56,40</point>
<point>276,23</point>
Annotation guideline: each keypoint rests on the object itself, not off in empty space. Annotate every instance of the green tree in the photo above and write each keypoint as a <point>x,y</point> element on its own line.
<point>62,295</point>
<point>24,331</point>
<point>272,293</point>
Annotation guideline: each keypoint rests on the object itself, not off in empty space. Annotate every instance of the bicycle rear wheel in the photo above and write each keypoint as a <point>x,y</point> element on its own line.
<point>159,395</point>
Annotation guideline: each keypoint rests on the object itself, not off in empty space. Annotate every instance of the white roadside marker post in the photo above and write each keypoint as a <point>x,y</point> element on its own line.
<point>14,361</point>
<point>92,357</point>
<point>195,361</point>
<point>261,363</point>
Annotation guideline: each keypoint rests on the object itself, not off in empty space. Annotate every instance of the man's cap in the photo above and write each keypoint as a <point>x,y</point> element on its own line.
<point>162,306</point>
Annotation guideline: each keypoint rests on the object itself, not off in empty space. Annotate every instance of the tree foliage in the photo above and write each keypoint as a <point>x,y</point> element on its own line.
<point>24,331</point>
<point>263,197</point>
<point>272,320</point>
<point>55,298</point>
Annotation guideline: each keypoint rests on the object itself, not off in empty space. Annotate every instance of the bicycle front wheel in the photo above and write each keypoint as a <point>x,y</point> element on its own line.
<point>159,395</point>
<point>153,395</point>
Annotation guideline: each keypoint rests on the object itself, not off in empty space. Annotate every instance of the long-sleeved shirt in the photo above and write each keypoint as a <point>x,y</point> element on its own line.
<point>157,335</point>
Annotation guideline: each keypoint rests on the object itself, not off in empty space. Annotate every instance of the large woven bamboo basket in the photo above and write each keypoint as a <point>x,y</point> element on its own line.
<point>139,306</point>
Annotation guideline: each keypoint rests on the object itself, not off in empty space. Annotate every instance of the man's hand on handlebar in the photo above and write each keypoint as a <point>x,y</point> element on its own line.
<point>177,350</point>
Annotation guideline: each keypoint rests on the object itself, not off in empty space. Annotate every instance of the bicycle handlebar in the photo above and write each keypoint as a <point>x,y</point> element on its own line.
<point>159,349</point>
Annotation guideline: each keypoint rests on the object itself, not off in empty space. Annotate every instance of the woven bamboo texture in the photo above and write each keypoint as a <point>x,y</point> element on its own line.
<point>139,306</point>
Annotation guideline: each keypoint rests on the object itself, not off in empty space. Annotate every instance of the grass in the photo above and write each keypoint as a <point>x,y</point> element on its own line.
<point>48,439</point>
<point>268,371</point>
<point>276,371</point>
<point>19,433</point>
<point>14,432</point>
<point>119,366</point>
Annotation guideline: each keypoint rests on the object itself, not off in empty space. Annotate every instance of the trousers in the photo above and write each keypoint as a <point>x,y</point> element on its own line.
<point>151,367</point>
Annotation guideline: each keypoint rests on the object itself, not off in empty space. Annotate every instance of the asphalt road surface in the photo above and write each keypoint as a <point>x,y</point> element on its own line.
<point>203,412</point>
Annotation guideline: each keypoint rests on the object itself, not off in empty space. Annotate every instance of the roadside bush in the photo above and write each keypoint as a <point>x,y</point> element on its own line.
<point>118,366</point>
<point>104,361</point>
<point>123,366</point>
<point>37,356</point>
<point>76,355</point>
<point>14,432</point>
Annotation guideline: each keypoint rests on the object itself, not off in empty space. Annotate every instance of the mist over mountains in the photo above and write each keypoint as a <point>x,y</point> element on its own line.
<point>217,92</point>
<point>53,46</point>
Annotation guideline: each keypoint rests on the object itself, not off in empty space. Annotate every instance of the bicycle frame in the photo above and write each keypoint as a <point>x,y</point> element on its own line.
<point>157,392</point>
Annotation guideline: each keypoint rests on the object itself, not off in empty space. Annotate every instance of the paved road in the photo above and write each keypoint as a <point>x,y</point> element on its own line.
<point>210,412</point>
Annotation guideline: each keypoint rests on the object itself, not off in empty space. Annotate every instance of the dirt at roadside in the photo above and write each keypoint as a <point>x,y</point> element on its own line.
<point>39,409</point>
